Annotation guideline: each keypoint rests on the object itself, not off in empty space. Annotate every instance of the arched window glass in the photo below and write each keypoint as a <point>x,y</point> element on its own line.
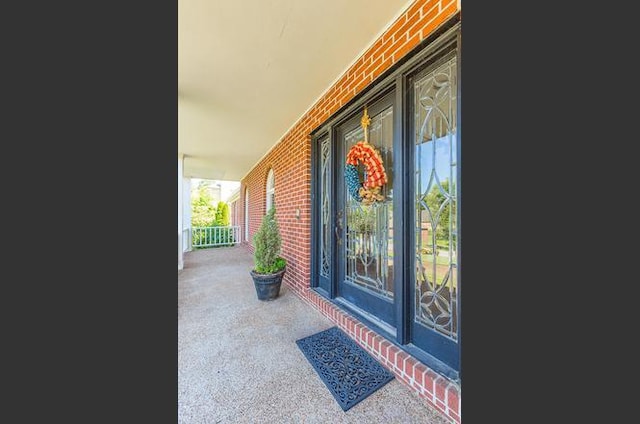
<point>271,194</point>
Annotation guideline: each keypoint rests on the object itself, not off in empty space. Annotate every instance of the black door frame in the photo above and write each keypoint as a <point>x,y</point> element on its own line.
<point>444,40</point>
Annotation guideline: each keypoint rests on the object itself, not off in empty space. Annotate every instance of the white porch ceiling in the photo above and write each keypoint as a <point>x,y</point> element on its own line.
<point>249,69</point>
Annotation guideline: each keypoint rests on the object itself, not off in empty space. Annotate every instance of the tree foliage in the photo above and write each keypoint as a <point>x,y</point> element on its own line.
<point>203,211</point>
<point>434,200</point>
<point>222,214</point>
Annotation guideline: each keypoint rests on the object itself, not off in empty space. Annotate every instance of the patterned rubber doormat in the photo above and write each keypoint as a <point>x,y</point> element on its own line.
<point>348,371</point>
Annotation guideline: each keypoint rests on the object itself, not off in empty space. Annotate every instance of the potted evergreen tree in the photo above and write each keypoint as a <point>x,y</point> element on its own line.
<point>269,266</point>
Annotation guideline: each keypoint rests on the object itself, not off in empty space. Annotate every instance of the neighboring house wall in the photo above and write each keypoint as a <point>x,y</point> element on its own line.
<point>290,159</point>
<point>215,192</point>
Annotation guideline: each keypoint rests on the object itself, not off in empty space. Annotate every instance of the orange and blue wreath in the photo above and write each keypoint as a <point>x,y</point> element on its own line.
<point>367,191</point>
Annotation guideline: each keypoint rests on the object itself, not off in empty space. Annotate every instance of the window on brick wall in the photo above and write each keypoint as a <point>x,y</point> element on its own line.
<point>271,191</point>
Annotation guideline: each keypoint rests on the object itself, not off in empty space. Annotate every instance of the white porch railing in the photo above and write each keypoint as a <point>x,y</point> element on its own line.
<point>215,236</point>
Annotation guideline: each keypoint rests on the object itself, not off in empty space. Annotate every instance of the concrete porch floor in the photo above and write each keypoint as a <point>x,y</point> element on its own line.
<point>238,361</point>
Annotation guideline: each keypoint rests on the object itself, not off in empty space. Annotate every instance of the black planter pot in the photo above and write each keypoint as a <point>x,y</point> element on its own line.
<point>267,285</point>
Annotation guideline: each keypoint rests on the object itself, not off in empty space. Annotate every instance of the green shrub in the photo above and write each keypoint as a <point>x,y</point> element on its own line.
<point>267,243</point>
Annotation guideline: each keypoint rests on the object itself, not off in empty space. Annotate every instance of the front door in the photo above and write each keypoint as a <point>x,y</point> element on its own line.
<point>389,251</point>
<point>364,218</point>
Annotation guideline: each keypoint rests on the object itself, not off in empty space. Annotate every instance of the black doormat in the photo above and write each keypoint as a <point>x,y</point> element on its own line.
<point>348,371</point>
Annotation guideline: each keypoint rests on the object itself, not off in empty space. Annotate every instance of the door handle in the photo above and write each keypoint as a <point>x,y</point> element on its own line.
<point>338,227</point>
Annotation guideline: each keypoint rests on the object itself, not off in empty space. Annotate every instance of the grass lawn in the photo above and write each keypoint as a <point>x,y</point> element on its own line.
<point>442,265</point>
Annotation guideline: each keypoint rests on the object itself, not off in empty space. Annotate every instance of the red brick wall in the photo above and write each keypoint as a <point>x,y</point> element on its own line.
<point>291,163</point>
<point>290,159</point>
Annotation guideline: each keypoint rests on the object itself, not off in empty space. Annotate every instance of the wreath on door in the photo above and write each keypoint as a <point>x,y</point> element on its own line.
<point>367,190</point>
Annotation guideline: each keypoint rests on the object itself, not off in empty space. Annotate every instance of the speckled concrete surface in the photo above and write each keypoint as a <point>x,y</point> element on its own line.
<point>238,361</point>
